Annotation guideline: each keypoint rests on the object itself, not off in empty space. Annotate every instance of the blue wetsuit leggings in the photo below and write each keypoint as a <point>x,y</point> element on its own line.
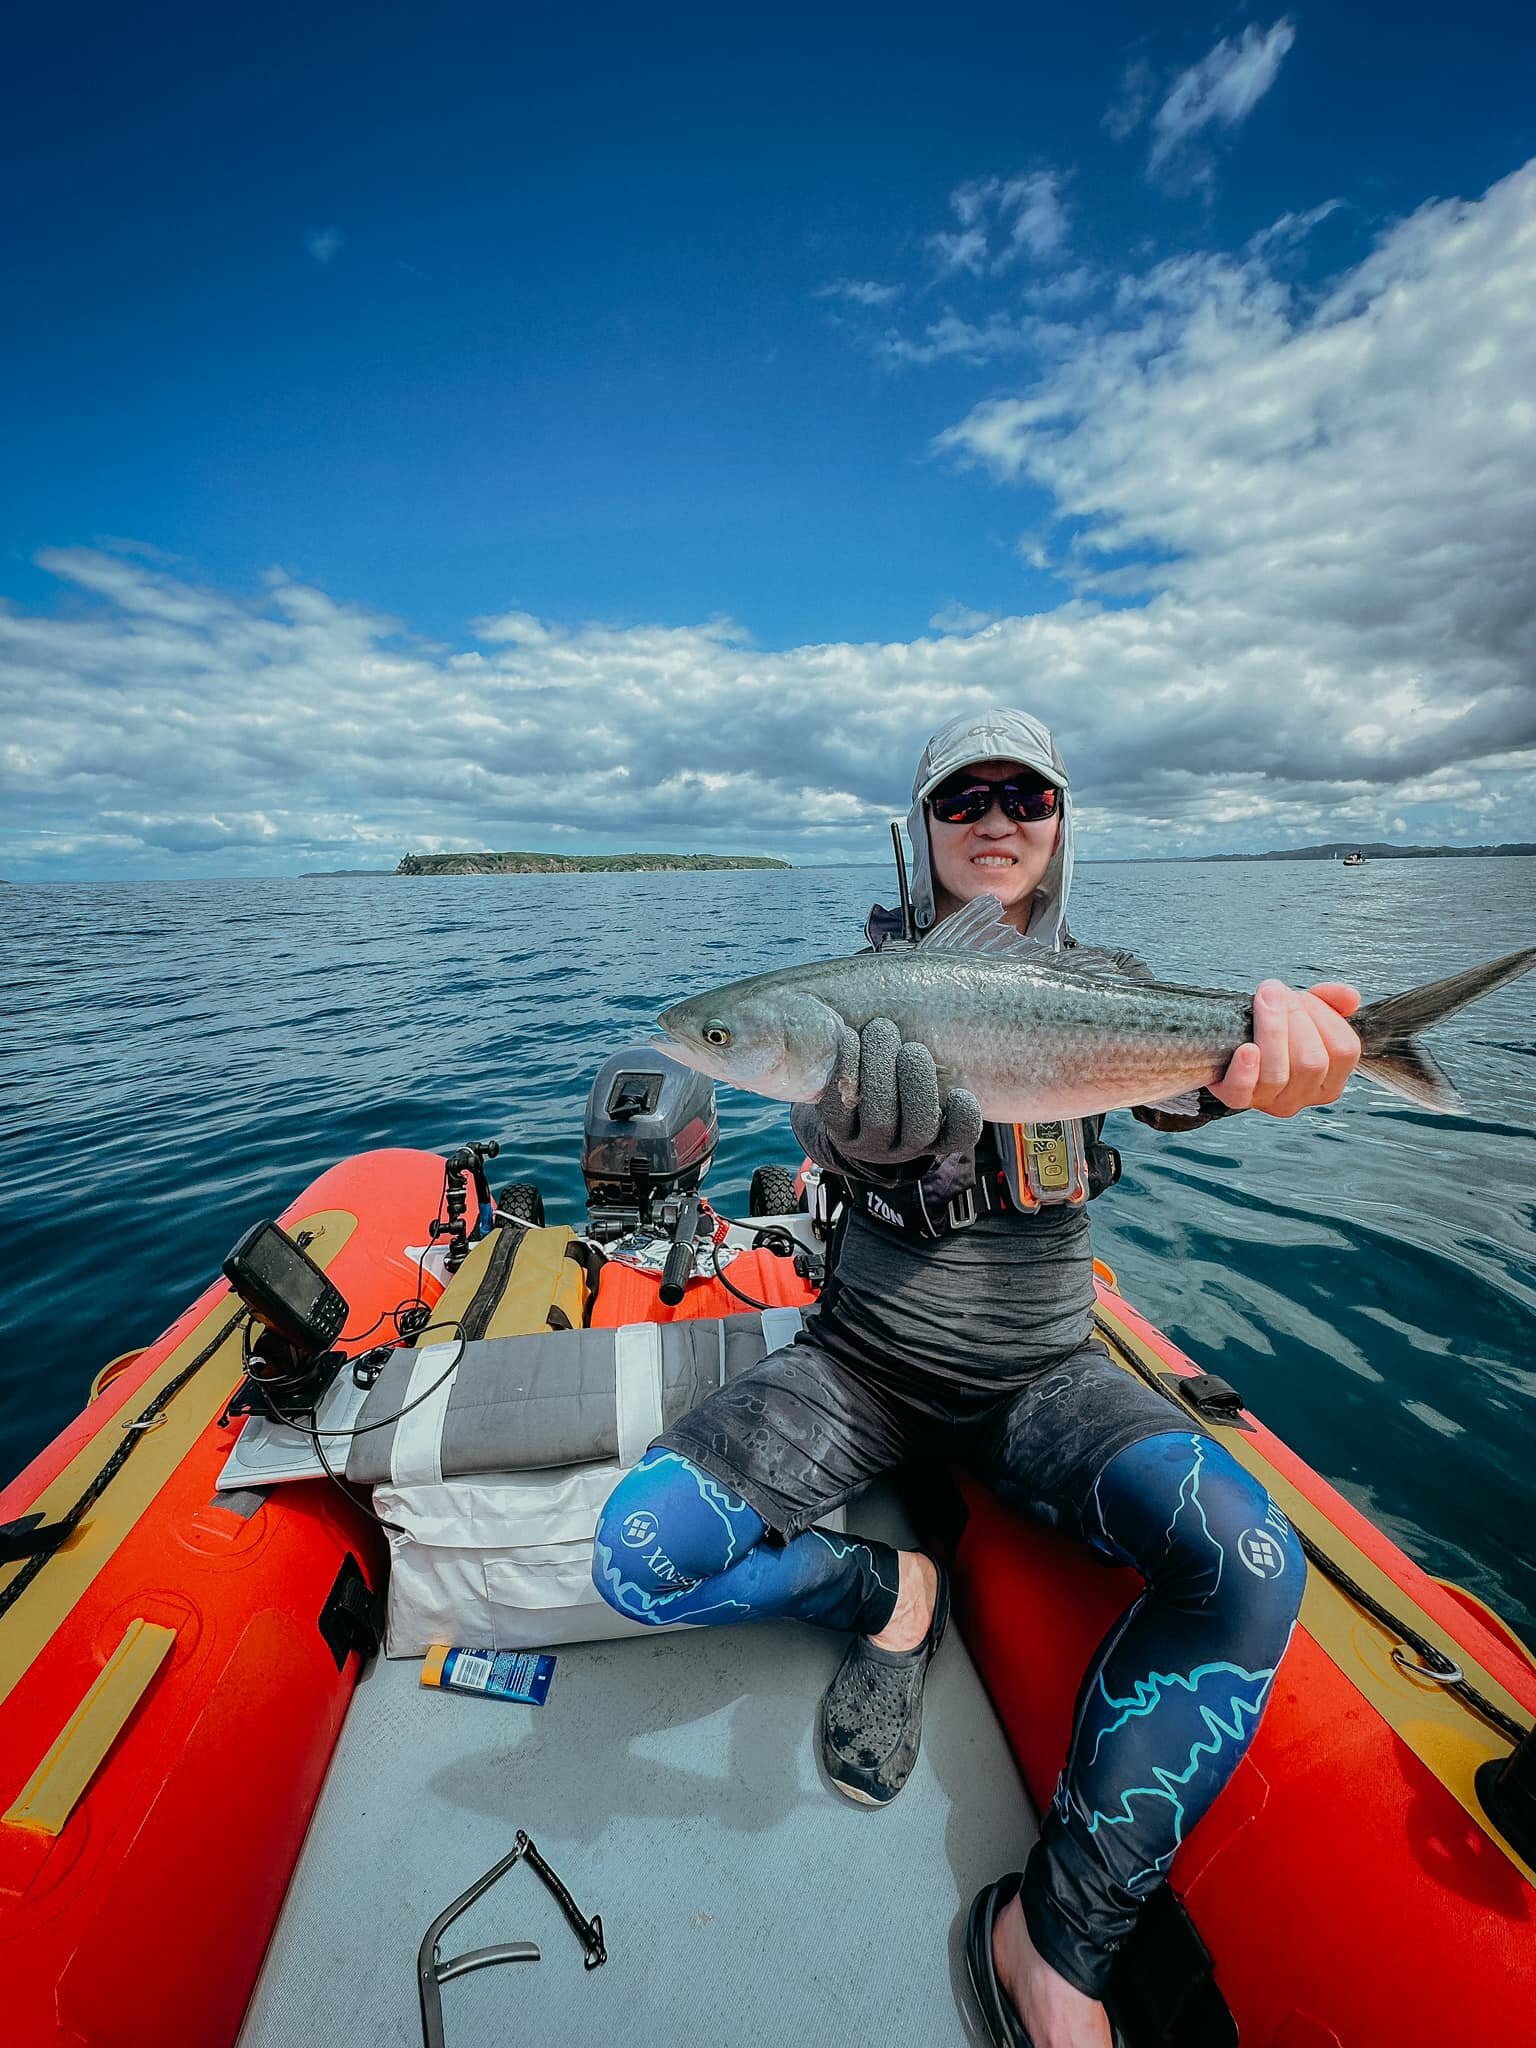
<point>1165,1711</point>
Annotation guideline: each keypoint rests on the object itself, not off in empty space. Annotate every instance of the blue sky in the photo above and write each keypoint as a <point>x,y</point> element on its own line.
<point>456,386</point>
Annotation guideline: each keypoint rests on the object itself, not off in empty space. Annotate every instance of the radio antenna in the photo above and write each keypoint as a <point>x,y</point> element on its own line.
<point>908,923</point>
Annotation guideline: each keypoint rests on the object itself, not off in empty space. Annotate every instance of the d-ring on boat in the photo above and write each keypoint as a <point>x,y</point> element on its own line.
<point>225,1818</point>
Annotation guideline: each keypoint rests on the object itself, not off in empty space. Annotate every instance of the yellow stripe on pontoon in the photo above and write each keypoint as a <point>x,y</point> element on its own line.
<point>68,1575</point>
<point>60,1781</point>
<point>1449,1737</point>
<point>540,1279</point>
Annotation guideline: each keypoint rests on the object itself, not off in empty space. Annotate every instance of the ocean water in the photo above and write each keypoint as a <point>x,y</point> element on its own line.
<point>183,1058</point>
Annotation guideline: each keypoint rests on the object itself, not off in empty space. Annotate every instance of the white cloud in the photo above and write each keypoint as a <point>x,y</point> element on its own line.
<point>519,628</point>
<point>860,291</point>
<point>952,336</point>
<point>1138,89</point>
<point>1345,493</point>
<point>1321,511</point>
<point>1001,222</point>
<point>1037,220</point>
<point>960,618</point>
<point>1222,90</point>
<point>964,251</point>
<point>324,244</point>
<point>1291,229</point>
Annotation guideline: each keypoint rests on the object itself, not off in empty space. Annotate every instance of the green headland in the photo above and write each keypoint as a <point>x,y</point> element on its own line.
<point>572,863</point>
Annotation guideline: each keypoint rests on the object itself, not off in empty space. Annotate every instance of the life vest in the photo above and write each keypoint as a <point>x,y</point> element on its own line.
<point>959,1190</point>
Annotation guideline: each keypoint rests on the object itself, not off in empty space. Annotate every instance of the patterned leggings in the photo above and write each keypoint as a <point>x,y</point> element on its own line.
<point>1166,1709</point>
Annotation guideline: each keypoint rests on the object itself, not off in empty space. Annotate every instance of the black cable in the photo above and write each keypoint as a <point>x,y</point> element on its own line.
<point>714,1254</point>
<point>357,1336</point>
<point>312,1429</point>
<point>384,1421</point>
<point>404,1309</point>
<point>336,1478</point>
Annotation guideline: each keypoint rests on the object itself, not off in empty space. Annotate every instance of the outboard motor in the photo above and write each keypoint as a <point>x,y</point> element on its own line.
<point>651,1131</point>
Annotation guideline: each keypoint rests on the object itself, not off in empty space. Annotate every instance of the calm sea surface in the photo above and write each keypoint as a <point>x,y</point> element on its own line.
<point>183,1058</point>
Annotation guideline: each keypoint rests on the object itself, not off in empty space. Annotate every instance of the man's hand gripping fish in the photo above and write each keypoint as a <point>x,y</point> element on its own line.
<point>1034,1034</point>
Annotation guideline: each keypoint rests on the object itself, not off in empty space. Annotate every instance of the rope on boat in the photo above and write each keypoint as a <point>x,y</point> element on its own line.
<point>134,1433</point>
<point>1437,1666</point>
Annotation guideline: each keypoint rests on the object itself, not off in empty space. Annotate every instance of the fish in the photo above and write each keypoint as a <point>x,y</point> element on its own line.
<point>1036,1035</point>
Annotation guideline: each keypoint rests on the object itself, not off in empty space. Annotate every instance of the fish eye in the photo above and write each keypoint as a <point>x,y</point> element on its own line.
<point>715,1033</point>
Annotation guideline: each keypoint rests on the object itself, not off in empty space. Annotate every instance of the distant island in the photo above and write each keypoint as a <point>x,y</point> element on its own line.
<point>1336,850</point>
<point>573,863</point>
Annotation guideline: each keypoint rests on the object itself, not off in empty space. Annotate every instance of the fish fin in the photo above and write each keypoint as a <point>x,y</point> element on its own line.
<point>1394,1019</point>
<point>1414,1073</point>
<point>1390,1054</point>
<point>1078,959</point>
<point>980,927</point>
<point>1178,1105</point>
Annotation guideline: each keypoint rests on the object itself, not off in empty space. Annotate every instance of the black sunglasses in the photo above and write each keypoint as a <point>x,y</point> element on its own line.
<point>965,801</point>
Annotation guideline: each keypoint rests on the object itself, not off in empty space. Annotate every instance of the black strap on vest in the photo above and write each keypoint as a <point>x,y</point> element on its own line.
<point>917,1210</point>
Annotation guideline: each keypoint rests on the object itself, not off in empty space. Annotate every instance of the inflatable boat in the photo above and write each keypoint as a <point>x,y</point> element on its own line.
<point>226,1817</point>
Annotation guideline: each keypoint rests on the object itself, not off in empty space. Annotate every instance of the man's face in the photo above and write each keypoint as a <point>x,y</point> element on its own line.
<point>998,855</point>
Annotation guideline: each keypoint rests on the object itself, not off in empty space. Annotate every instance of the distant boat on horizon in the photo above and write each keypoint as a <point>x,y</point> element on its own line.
<point>1353,860</point>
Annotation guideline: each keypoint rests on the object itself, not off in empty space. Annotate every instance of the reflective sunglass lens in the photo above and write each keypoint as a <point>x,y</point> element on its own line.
<point>961,806</point>
<point>969,805</point>
<point>1031,805</point>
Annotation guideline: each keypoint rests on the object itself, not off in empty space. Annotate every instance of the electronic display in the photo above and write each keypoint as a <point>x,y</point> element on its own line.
<point>284,1289</point>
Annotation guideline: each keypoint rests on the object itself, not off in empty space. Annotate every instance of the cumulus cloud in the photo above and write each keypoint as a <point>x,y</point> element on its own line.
<point>1295,535</point>
<point>1001,221</point>
<point>961,618</point>
<point>520,627</point>
<point>1348,488</point>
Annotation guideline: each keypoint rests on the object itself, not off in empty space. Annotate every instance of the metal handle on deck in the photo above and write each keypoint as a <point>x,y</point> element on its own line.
<point>431,1974</point>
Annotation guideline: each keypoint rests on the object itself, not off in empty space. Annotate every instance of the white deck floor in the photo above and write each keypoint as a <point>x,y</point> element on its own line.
<point>672,1782</point>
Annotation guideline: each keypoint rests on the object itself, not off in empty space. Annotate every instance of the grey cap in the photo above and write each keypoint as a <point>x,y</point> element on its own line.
<point>994,735</point>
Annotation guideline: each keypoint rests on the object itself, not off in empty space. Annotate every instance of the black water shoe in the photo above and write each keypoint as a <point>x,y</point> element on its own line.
<point>872,1713</point>
<point>1004,2027</point>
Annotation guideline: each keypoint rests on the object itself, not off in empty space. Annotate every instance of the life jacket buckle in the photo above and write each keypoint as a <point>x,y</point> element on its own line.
<point>962,1209</point>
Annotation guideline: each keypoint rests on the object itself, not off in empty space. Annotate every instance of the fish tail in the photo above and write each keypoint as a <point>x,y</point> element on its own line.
<point>1390,1054</point>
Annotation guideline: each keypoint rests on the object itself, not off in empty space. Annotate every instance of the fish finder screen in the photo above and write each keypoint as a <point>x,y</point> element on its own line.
<point>284,1289</point>
<point>277,1264</point>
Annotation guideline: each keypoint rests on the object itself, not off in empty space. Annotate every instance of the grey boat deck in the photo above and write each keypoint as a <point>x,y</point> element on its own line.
<point>672,1782</point>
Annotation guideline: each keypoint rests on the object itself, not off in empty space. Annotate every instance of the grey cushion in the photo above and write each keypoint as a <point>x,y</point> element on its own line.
<point>520,1404</point>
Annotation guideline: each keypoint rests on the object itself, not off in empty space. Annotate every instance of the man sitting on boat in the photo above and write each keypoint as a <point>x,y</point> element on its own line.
<point>957,1325</point>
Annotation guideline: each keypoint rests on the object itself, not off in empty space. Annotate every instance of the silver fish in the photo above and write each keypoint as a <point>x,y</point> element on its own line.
<point>1034,1034</point>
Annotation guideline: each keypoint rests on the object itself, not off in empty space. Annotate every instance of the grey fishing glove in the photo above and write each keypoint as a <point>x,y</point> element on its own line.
<point>883,1109</point>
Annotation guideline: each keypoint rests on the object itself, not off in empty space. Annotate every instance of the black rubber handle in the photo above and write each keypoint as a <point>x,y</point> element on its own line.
<point>678,1270</point>
<point>676,1274</point>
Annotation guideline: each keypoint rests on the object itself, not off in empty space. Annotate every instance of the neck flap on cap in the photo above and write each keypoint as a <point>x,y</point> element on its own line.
<point>995,735</point>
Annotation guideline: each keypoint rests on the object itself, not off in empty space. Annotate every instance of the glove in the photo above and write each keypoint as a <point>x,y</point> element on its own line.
<point>883,1108</point>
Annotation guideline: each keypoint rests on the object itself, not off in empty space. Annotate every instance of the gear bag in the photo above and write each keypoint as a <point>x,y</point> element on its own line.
<point>494,1460</point>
